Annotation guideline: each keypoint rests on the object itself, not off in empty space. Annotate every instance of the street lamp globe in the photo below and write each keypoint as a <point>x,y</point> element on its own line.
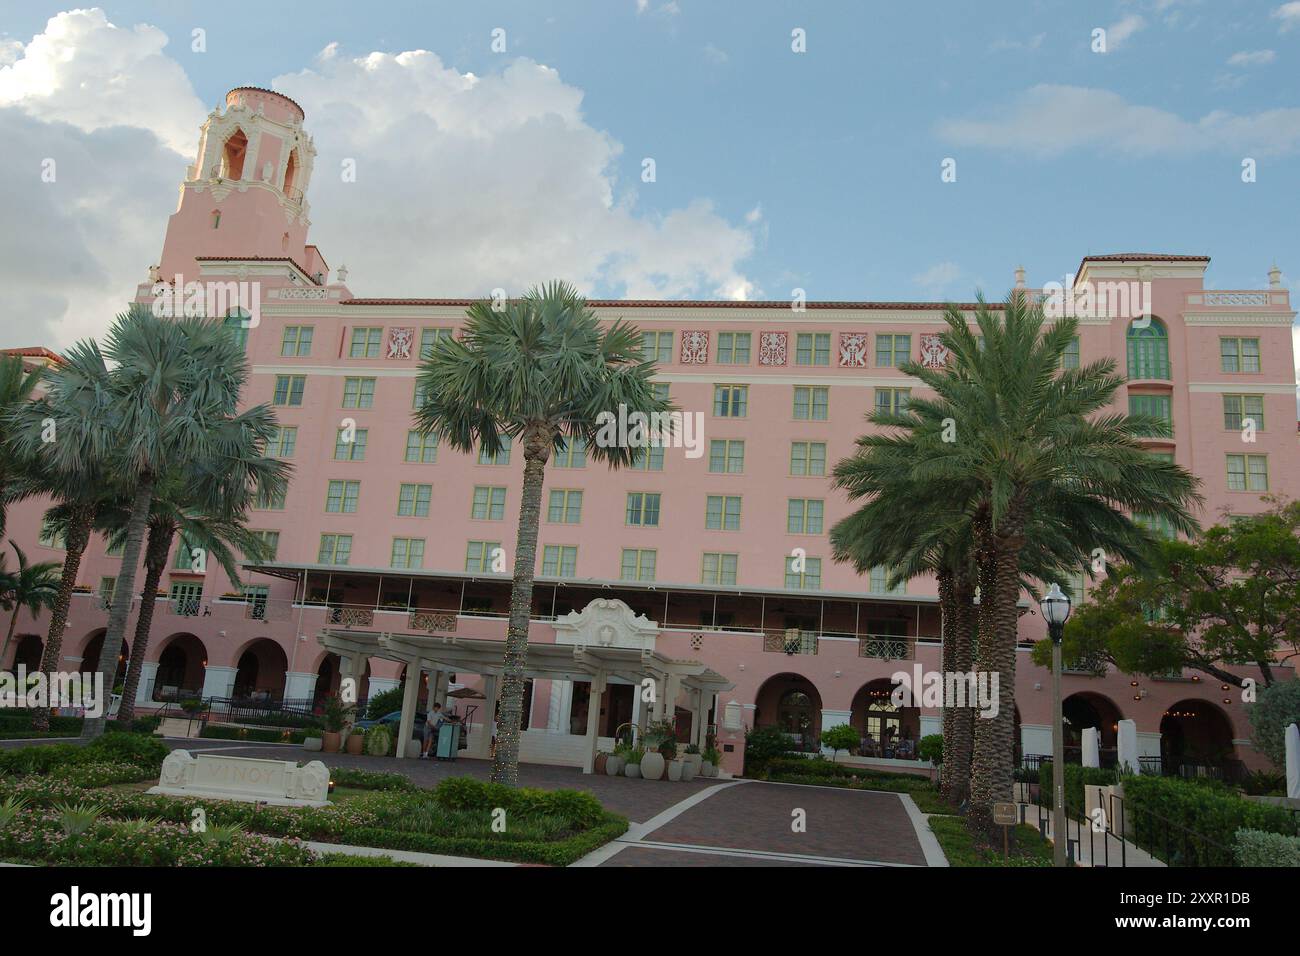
<point>1056,606</point>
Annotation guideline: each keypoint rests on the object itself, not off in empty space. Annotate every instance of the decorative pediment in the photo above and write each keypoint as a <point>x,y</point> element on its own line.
<point>606,622</point>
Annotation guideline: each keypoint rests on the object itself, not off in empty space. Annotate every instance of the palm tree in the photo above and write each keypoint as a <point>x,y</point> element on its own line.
<point>31,586</point>
<point>17,386</point>
<point>1052,462</point>
<point>174,398</point>
<point>216,527</point>
<point>542,371</point>
<point>68,436</point>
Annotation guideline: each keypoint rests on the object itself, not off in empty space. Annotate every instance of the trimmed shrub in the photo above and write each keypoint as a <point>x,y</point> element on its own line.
<point>128,748</point>
<point>255,734</point>
<point>761,745</point>
<point>1258,848</point>
<point>581,810</point>
<point>370,779</point>
<point>379,741</point>
<point>931,748</point>
<point>385,702</point>
<point>1076,777</point>
<point>1277,707</point>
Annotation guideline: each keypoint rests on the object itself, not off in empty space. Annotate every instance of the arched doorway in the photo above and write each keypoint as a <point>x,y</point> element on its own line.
<point>95,647</point>
<point>182,666</point>
<point>28,649</point>
<point>1196,739</point>
<point>886,729</point>
<point>791,702</point>
<point>329,680</point>
<point>260,672</point>
<point>1087,709</point>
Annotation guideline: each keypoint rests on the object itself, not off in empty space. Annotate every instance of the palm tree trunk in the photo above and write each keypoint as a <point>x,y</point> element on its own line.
<point>991,780</point>
<point>155,561</point>
<point>505,765</point>
<point>74,546</point>
<point>123,593</point>
<point>13,624</point>
<point>948,612</point>
<point>963,729</point>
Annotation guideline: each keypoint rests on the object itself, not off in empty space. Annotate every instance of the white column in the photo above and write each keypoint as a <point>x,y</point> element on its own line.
<point>380,684</point>
<point>410,697</point>
<point>1293,761</point>
<point>697,718</point>
<point>299,685</point>
<point>593,722</point>
<point>483,738</point>
<point>1128,746</point>
<point>560,712</point>
<point>144,689</point>
<point>219,681</point>
<point>833,718</point>
<point>1091,747</point>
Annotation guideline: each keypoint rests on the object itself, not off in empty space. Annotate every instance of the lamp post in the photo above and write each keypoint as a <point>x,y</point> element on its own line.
<point>1056,610</point>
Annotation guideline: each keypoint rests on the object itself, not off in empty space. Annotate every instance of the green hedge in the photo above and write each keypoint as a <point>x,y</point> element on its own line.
<point>69,726</point>
<point>1186,824</point>
<point>370,779</point>
<point>145,753</point>
<point>1076,777</point>
<point>256,734</point>
<point>1258,848</point>
<point>820,772</point>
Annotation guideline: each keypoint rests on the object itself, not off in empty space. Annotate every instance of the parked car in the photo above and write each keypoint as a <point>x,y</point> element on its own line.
<point>391,720</point>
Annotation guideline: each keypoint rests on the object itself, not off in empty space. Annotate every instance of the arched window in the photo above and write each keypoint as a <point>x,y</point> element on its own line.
<point>236,324</point>
<point>291,175</point>
<point>1148,350</point>
<point>795,712</point>
<point>232,156</point>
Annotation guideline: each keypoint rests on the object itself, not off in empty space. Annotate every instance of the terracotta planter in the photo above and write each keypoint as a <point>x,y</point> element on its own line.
<point>330,741</point>
<point>601,761</point>
<point>356,743</point>
<point>652,765</point>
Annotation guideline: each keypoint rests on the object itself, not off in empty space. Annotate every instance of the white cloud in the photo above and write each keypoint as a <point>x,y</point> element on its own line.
<point>715,54</point>
<point>1048,120</point>
<point>937,280</point>
<point>466,183</point>
<point>1119,32</point>
<point>1289,15</point>
<point>1252,58</point>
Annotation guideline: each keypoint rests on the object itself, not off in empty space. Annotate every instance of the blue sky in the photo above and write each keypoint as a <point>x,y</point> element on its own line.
<point>829,161</point>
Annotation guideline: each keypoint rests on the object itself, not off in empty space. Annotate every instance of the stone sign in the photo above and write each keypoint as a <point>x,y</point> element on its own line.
<point>281,783</point>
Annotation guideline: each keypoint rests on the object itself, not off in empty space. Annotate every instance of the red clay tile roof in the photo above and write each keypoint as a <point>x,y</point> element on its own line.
<point>694,304</point>
<point>34,351</point>
<point>263,89</point>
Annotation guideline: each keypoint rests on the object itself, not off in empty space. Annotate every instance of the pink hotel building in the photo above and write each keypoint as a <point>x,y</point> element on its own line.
<point>392,534</point>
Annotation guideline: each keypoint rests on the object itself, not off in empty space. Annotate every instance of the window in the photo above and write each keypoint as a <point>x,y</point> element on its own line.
<point>811,403</point>
<point>892,350</point>
<point>1070,357</point>
<point>354,450</point>
<point>500,458</point>
<point>431,337</point>
<point>733,348</point>
<point>657,347</point>
<point>726,456</point>
<point>1248,473</point>
<point>649,459</point>
<point>419,396</point>
<point>270,543</point>
<point>892,401</point>
<point>185,558</point>
<point>288,389</point>
<point>879,582</point>
<point>643,509</point>
<point>422,449</point>
<point>1161,527</point>
<point>186,598</point>
<point>1148,350</point>
<point>413,500</point>
<point>295,342</point>
<point>478,555</point>
<point>659,391</point>
<point>341,496</point>
<point>269,502</point>
<point>489,504</point>
<point>105,591</point>
<point>365,342</point>
<point>334,549</point>
<point>1238,408</point>
<point>256,596</point>
<point>808,458</point>
<point>1239,355</point>
<point>730,401</point>
<point>559,561</point>
<point>812,348</point>
<point>236,325</point>
<point>809,579</point>
<point>804,515</point>
<point>115,550</point>
<point>718,568</point>
<point>565,507</point>
<point>573,456</point>
<point>51,538</point>
<point>407,553</point>
<point>722,512</point>
<point>1152,406</point>
<point>358,392</point>
<point>638,564</point>
<point>283,441</point>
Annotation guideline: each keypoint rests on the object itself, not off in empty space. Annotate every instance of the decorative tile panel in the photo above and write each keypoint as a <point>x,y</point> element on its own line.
<point>773,348</point>
<point>853,349</point>
<point>432,621</point>
<point>400,342</point>
<point>695,348</point>
<point>934,354</point>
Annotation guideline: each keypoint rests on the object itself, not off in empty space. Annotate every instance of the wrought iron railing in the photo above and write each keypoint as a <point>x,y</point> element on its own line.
<point>886,647</point>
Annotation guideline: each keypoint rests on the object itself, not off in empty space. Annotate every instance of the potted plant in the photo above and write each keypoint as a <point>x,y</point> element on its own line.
<point>602,759</point>
<point>668,749</point>
<point>335,718</point>
<point>653,763</point>
<point>711,761</point>
<point>379,741</point>
<point>616,760</point>
<point>632,770</point>
<point>692,763</point>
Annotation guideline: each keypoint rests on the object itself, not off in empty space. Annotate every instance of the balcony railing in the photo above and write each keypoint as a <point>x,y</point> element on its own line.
<point>790,642</point>
<point>886,647</point>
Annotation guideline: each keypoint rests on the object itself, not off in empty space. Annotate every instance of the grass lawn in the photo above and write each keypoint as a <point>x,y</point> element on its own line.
<point>964,847</point>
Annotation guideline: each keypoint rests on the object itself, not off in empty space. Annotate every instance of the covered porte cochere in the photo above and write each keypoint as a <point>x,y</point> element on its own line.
<point>604,644</point>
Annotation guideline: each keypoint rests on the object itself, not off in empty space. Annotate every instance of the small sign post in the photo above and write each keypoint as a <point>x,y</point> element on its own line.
<point>1006,815</point>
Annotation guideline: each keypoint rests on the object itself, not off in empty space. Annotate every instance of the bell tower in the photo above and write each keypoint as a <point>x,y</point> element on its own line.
<point>246,194</point>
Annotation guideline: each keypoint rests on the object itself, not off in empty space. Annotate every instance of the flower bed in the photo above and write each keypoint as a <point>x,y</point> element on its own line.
<point>819,772</point>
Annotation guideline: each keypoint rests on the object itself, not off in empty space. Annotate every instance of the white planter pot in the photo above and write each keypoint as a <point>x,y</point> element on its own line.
<point>689,770</point>
<point>312,743</point>
<point>710,769</point>
<point>632,771</point>
<point>675,768</point>
<point>613,766</point>
<point>652,765</point>
<point>694,760</point>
